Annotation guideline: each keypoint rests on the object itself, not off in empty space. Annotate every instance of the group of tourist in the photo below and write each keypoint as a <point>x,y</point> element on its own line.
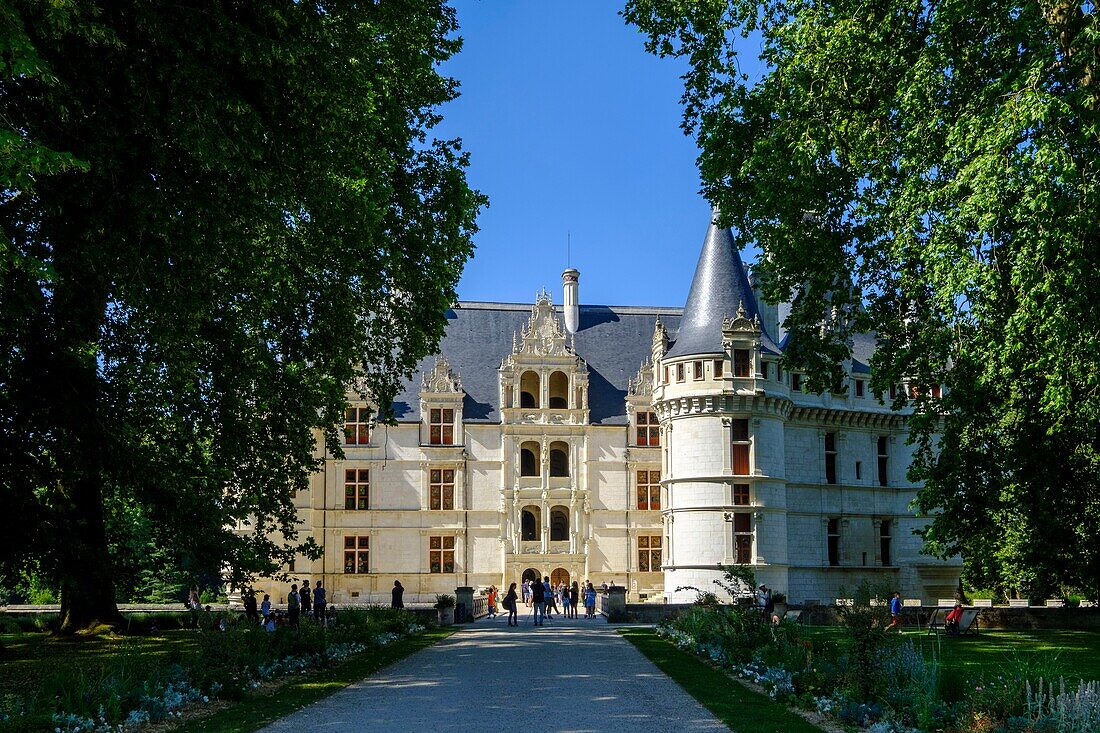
<point>304,601</point>
<point>543,599</point>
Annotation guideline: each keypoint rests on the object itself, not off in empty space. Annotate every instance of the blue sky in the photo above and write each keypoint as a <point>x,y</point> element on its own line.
<point>573,128</point>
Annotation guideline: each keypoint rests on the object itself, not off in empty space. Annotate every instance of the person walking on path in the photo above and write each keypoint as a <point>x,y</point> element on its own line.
<point>294,608</point>
<point>574,599</point>
<point>265,608</point>
<point>307,599</point>
<point>895,612</point>
<point>510,605</point>
<point>590,601</point>
<point>250,611</point>
<point>195,605</point>
<point>527,593</point>
<point>538,600</point>
<point>396,595</point>
<point>320,603</point>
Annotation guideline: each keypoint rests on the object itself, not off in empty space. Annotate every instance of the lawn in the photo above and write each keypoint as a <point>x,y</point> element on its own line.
<point>39,670</point>
<point>1075,654</point>
<point>742,710</point>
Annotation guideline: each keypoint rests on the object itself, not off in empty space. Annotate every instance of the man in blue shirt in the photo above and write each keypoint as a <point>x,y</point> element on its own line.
<point>895,612</point>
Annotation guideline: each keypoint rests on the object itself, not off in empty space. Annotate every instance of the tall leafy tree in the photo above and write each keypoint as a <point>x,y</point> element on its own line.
<point>216,217</point>
<point>928,171</point>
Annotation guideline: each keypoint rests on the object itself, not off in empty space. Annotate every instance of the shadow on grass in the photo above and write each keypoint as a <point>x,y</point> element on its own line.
<point>739,708</point>
<point>258,710</point>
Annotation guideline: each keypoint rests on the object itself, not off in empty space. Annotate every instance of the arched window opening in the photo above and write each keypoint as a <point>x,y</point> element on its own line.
<point>529,459</point>
<point>559,391</point>
<point>559,523</point>
<point>559,459</point>
<point>529,390</point>
<point>529,523</point>
<point>531,574</point>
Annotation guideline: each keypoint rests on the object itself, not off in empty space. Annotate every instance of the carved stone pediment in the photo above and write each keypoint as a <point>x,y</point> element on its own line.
<point>441,379</point>
<point>641,384</point>
<point>740,322</point>
<point>543,335</point>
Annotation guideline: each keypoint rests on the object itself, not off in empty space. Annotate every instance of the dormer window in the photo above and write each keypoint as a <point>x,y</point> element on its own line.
<point>741,362</point>
<point>357,426</point>
<point>441,426</point>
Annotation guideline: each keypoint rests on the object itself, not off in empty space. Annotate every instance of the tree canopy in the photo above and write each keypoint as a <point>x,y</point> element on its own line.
<point>216,217</point>
<point>928,171</point>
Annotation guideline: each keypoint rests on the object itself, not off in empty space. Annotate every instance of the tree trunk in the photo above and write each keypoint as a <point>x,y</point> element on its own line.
<point>87,588</point>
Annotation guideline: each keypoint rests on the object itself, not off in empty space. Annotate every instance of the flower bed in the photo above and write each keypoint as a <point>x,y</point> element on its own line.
<point>878,681</point>
<point>129,693</point>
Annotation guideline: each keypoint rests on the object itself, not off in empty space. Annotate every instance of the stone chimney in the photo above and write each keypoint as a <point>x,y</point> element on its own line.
<point>571,307</point>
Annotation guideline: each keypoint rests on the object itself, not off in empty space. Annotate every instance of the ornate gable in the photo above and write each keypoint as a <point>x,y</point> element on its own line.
<point>741,322</point>
<point>543,335</point>
<point>441,379</point>
<point>641,384</point>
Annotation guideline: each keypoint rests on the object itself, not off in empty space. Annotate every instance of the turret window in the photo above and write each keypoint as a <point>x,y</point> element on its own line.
<point>648,430</point>
<point>741,494</point>
<point>742,538</point>
<point>740,458</point>
<point>719,368</point>
<point>441,428</point>
<point>830,458</point>
<point>697,370</point>
<point>883,463</point>
<point>679,372</point>
<point>741,362</point>
<point>796,382</point>
<point>832,538</point>
<point>765,369</point>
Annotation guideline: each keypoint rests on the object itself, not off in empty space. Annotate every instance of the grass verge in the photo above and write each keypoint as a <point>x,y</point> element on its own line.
<point>258,710</point>
<point>740,709</point>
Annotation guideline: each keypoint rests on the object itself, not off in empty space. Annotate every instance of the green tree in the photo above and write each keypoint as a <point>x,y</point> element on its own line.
<point>928,172</point>
<point>216,217</point>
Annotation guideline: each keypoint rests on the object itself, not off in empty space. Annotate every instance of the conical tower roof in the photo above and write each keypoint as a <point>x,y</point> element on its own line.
<point>719,288</point>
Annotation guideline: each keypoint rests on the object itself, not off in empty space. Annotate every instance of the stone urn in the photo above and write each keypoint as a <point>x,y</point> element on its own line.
<point>446,616</point>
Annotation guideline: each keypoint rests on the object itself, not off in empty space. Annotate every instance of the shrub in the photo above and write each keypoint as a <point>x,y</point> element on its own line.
<point>865,625</point>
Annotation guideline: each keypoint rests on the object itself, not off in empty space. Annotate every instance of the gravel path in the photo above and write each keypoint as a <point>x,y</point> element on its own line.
<point>575,676</point>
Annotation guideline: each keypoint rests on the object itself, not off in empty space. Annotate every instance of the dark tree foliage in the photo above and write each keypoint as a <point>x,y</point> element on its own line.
<point>928,172</point>
<point>216,217</point>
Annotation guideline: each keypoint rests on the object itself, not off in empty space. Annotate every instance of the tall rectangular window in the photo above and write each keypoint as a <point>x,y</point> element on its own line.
<point>649,553</point>
<point>859,388</point>
<point>680,372</point>
<point>441,426</point>
<point>741,362</point>
<point>884,541</point>
<point>883,463</point>
<point>441,489</point>
<point>833,539</point>
<point>830,458</point>
<point>742,538</point>
<point>441,554</point>
<point>648,430</point>
<point>859,470</point>
<point>356,488</point>
<point>937,391</point>
<point>741,494</point>
<point>765,369</point>
<point>697,370</point>
<point>356,554</point>
<point>740,453</point>
<point>649,490</point>
<point>357,426</point>
<point>779,373</point>
<point>668,375</point>
<point>719,368</point>
<point>893,391</point>
<point>796,382</point>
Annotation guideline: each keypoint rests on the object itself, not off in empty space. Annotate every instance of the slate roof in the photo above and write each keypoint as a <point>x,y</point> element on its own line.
<point>613,340</point>
<point>719,288</point>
